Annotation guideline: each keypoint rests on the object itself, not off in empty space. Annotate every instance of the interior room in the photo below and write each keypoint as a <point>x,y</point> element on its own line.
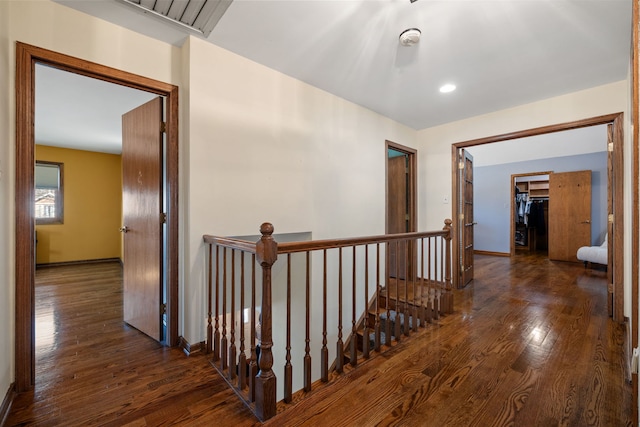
<point>223,253</point>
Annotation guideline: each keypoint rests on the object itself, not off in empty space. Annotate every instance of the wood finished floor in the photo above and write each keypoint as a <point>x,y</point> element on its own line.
<point>529,344</point>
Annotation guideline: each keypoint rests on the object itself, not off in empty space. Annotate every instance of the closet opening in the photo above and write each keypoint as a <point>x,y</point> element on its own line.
<point>530,212</point>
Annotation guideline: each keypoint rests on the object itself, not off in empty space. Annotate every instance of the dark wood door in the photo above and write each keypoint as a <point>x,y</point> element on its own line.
<point>569,214</point>
<point>398,212</point>
<point>142,217</point>
<point>466,221</point>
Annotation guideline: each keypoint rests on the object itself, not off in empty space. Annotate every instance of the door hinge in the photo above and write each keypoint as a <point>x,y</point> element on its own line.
<point>163,308</point>
<point>634,361</point>
<point>461,216</point>
<point>610,147</point>
<point>461,165</point>
<point>407,217</point>
<point>610,218</point>
<point>163,218</point>
<point>163,127</point>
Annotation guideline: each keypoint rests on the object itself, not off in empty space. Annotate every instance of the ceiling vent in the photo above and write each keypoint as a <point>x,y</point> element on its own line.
<point>195,16</point>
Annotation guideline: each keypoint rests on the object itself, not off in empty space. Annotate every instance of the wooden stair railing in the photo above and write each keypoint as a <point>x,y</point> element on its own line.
<point>365,306</point>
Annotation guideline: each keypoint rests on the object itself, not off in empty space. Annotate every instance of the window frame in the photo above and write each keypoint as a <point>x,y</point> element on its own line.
<point>59,205</point>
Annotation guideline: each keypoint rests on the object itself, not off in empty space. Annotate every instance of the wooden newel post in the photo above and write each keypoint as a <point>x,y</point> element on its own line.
<point>447,270</point>
<point>266,254</point>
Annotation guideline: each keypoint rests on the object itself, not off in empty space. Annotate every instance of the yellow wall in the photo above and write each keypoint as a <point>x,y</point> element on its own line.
<point>92,208</point>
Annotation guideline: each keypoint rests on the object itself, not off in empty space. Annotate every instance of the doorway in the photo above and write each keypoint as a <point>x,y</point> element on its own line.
<point>26,58</point>
<point>529,190</point>
<point>615,172</point>
<point>400,212</point>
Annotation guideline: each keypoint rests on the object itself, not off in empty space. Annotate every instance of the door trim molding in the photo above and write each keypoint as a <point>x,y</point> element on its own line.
<point>413,171</point>
<point>26,58</point>
<point>618,186</point>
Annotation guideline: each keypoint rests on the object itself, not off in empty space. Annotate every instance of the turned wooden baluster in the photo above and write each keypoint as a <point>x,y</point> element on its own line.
<point>430,281</point>
<point>387,297</point>
<point>353,354</point>
<point>423,311</point>
<point>414,305</point>
<point>288,369</point>
<point>216,334</point>
<point>242,358</point>
<point>447,274</point>
<point>324,353</point>
<point>339,343</point>
<point>376,325</point>
<point>407,309</point>
<point>266,254</point>
<point>397,332</point>
<point>223,343</point>
<point>437,278</point>
<point>209,348</point>
<point>307,340</point>
<point>365,329</point>
<point>253,362</point>
<point>231,373</point>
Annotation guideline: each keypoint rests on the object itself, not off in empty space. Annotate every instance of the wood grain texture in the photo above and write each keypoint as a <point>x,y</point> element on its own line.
<point>141,215</point>
<point>529,343</point>
<point>569,214</point>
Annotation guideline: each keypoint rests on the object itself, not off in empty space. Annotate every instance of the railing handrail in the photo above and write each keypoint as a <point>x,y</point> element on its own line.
<point>314,245</point>
<point>424,305</point>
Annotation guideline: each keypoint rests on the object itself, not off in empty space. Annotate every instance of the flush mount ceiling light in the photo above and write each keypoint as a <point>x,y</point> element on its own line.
<point>410,37</point>
<point>447,88</point>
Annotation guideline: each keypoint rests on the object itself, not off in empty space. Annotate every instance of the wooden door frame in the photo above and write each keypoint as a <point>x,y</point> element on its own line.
<point>617,188</point>
<point>635,220</point>
<point>26,58</point>
<point>512,244</point>
<point>413,173</point>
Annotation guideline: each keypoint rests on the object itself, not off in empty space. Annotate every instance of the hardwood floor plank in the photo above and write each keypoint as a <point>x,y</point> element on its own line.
<point>529,344</point>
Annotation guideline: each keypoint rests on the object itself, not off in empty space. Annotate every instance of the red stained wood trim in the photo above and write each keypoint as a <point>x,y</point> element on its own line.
<point>26,58</point>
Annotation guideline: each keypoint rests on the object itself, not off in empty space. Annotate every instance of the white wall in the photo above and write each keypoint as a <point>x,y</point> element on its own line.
<point>6,215</point>
<point>434,147</point>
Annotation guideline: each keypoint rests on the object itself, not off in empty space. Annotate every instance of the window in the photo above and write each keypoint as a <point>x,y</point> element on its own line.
<point>48,194</point>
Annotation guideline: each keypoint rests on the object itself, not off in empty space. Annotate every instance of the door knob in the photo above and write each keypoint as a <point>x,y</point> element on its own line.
<point>124,229</point>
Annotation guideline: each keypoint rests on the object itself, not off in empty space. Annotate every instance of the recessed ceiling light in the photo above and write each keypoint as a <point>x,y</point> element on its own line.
<point>448,88</point>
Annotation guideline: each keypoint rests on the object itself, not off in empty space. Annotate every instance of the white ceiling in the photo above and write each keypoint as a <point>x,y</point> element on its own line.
<point>82,113</point>
<point>499,53</point>
<point>592,139</point>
